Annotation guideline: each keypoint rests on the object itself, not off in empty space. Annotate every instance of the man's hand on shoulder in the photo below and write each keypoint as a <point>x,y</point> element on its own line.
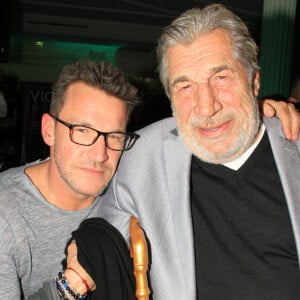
<point>286,113</point>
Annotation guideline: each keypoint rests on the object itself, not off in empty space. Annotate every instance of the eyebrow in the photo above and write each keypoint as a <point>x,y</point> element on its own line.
<point>218,69</point>
<point>221,68</point>
<point>81,123</point>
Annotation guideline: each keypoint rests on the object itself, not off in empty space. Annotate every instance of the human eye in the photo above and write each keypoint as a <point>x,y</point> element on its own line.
<point>116,140</point>
<point>184,85</point>
<point>82,129</point>
<point>221,79</point>
<point>222,75</point>
<point>116,136</point>
<point>184,88</point>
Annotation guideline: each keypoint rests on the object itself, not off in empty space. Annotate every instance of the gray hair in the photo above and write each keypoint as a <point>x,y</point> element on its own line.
<point>194,22</point>
<point>101,75</point>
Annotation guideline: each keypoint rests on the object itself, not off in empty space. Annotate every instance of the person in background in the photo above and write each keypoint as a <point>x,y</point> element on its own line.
<point>216,188</point>
<point>41,203</point>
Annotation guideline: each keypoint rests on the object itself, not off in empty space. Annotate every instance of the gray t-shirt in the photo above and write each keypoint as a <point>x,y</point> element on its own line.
<point>33,235</point>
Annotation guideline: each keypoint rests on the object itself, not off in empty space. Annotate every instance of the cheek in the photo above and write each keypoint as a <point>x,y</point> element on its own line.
<point>183,109</point>
<point>65,149</point>
<point>244,111</point>
<point>237,98</point>
<point>64,152</point>
<point>229,96</point>
<point>114,159</point>
<point>246,102</point>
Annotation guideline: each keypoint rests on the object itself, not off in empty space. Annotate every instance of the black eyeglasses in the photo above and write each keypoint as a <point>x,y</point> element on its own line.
<point>87,136</point>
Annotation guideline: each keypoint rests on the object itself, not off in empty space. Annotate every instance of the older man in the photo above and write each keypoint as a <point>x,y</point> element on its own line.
<point>216,188</point>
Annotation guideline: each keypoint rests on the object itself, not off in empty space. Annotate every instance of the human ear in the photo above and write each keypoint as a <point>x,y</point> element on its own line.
<point>47,129</point>
<point>256,83</point>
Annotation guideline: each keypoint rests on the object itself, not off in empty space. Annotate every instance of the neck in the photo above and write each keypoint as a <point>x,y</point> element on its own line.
<point>237,163</point>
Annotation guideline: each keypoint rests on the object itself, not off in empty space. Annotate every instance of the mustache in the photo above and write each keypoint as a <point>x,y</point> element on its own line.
<point>210,122</point>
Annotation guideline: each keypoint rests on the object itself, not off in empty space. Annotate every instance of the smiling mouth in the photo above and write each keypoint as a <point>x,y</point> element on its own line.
<point>215,131</point>
<point>210,129</point>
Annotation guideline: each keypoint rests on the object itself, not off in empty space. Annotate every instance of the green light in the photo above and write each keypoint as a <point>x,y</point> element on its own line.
<point>39,44</point>
<point>46,50</point>
<point>85,50</point>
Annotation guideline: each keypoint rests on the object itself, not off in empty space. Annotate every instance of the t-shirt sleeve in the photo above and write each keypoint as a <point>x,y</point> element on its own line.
<point>10,286</point>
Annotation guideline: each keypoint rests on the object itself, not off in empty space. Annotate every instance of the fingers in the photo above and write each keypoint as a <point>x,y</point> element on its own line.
<point>290,120</point>
<point>286,113</point>
<point>267,109</point>
<point>295,119</point>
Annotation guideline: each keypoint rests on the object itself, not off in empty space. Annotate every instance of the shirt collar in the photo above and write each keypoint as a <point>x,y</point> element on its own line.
<point>237,163</point>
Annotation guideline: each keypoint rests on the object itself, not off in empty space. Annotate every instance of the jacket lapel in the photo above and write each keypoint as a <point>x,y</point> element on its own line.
<point>178,161</point>
<point>287,159</point>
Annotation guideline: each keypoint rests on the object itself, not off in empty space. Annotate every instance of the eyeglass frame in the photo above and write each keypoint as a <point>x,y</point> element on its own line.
<point>131,135</point>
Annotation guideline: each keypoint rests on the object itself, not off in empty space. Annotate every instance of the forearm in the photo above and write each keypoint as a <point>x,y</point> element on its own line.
<point>74,277</point>
<point>49,290</point>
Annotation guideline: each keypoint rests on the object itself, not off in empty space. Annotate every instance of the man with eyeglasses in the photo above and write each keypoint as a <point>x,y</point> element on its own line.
<point>41,203</point>
<point>87,136</point>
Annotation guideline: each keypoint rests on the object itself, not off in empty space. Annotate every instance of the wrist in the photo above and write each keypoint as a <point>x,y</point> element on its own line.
<point>76,282</point>
<point>65,291</point>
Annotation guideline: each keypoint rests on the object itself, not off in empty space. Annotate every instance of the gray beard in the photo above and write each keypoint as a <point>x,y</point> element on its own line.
<point>235,151</point>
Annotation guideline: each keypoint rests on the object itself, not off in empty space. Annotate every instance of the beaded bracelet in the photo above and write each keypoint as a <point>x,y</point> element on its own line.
<point>65,291</point>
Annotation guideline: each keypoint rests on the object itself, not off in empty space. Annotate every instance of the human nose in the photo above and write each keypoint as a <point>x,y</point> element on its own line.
<point>206,102</point>
<point>98,150</point>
